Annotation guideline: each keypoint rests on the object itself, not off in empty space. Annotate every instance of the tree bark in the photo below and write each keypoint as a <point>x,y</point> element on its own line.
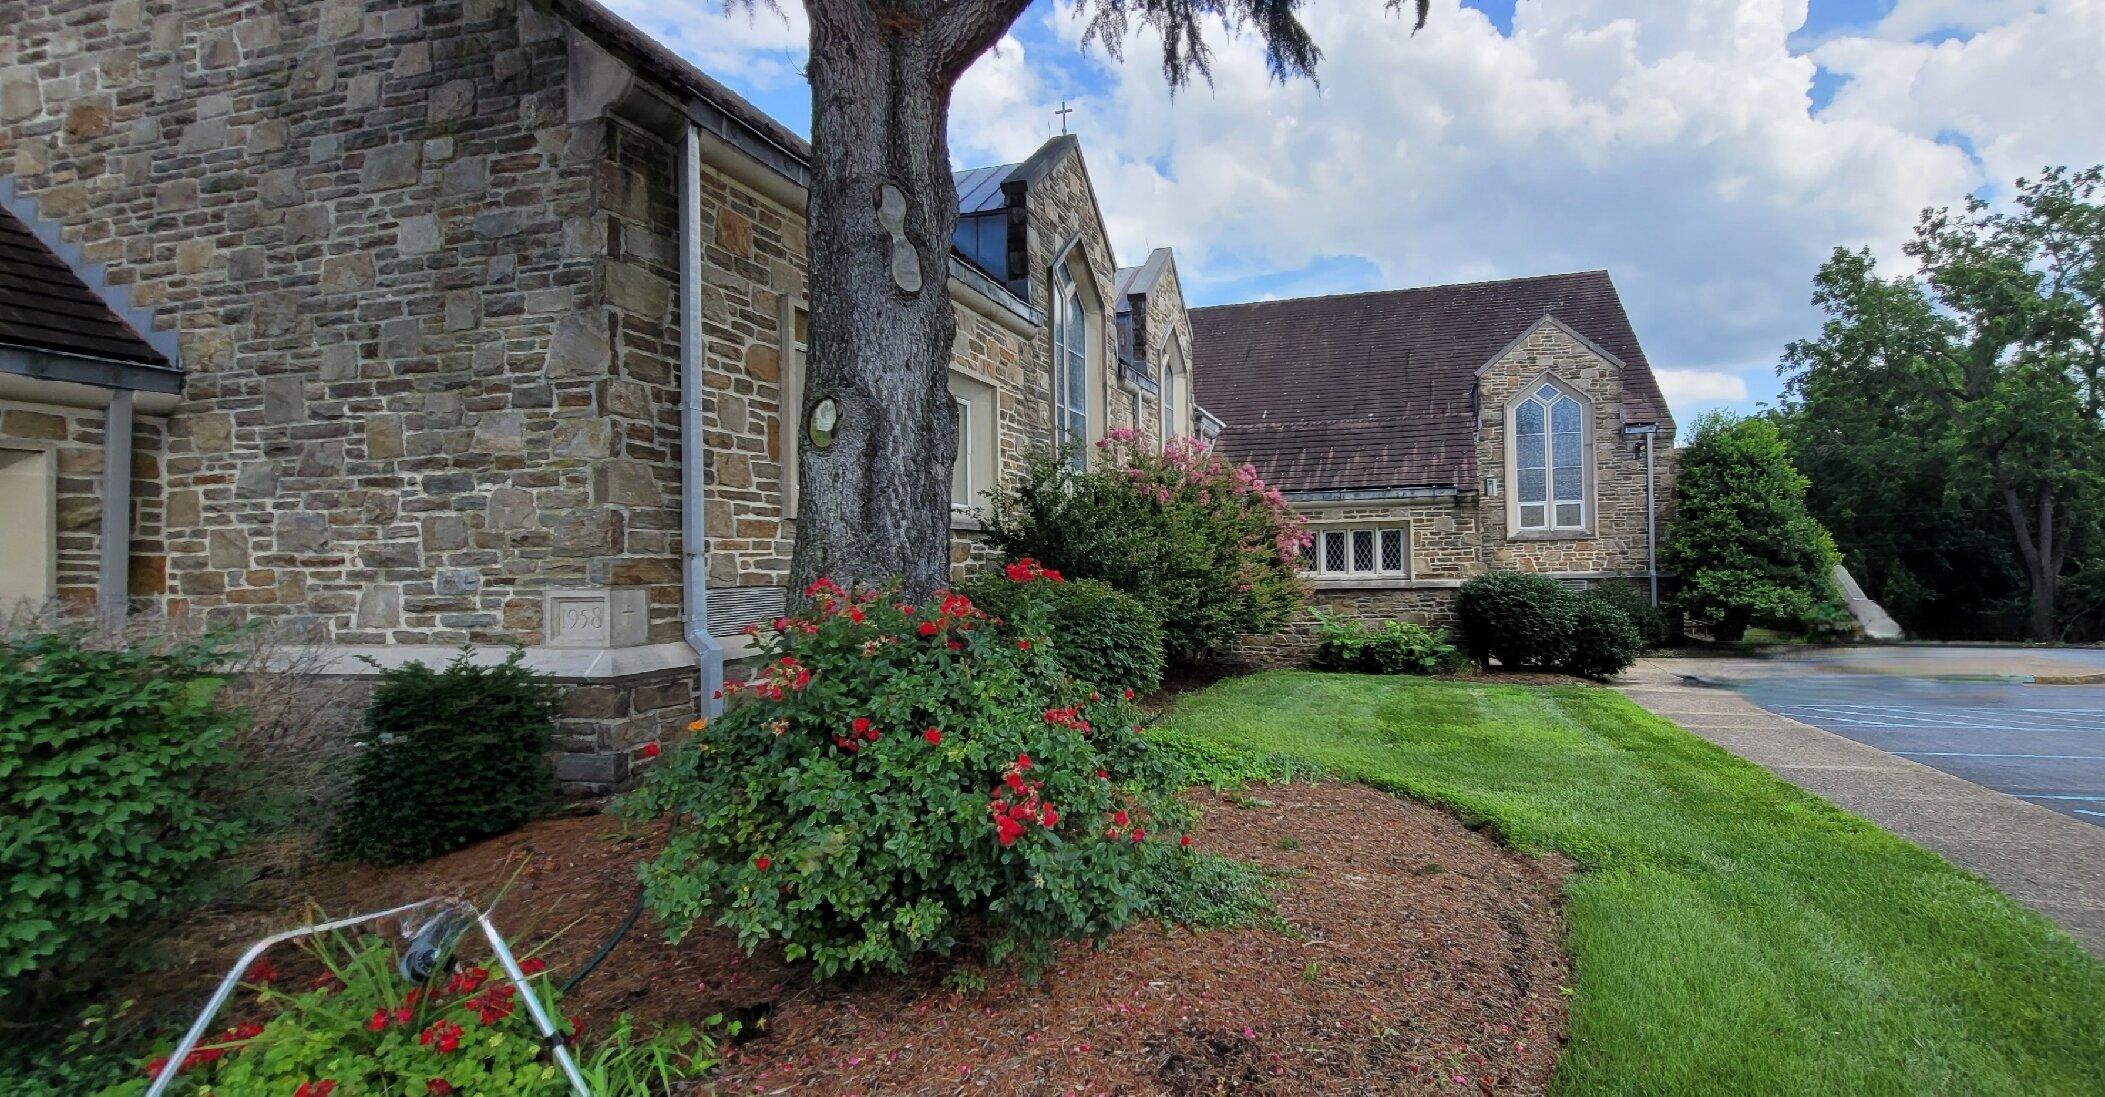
<point>2037,548</point>
<point>874,503</point>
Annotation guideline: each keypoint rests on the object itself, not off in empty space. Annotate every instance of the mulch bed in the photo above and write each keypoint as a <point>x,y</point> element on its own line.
<point>1408,953</point>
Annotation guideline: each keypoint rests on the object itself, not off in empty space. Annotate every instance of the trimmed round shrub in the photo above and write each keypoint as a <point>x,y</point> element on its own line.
<point>1207,546</point>
<point>1101,634</point>
<point>902,779</point>
<point>450,757</point>
<point>1603,641</point>
<point>1637,605</point>
<point>111,810</point>
<point>1519,619</point>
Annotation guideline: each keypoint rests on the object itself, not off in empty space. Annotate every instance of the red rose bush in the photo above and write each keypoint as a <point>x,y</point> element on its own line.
<point>900,779</point>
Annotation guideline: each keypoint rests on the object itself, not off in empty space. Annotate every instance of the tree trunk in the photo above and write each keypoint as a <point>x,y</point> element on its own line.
<point>2037,548</point>
<point>874,503</point>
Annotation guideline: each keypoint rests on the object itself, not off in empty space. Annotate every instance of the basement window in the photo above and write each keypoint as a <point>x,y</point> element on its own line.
<point>1359,552</point>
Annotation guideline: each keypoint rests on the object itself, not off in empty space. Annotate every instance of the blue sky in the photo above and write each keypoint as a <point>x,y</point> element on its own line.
<point>1708,153</point>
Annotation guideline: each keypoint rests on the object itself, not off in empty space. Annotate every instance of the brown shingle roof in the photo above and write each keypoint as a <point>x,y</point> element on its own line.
<point>1377,390</point>
<point>45,306</point>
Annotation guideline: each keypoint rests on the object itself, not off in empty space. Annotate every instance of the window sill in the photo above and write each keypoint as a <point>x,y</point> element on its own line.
<point>1375,582</point>
<point>965,520</point>
<point>1550,535</point>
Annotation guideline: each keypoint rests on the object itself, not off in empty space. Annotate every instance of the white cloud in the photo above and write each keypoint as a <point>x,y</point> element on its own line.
<point>1686,388</point>
<point>752,46</point>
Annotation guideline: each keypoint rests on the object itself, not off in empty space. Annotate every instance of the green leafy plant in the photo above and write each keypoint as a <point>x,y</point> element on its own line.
<point>1741,541</point>
<point>359,1028</point>
<point>1209,547</point>
<point>900,779</point>
<point>1519,619</point>
<point>1101,634</point>
<point>1636,604</point>
<point>1204,890</point>
<point>110,761</point>
<point>451,756</point>
<point>1603,641</point>
<point>1392,647</point>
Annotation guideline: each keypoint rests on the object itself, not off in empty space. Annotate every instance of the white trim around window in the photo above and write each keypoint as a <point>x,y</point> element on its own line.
<point>1355,550</point>
<point>978,442</point>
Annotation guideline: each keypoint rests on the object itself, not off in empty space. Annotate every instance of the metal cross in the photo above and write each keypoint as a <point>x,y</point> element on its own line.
<point>1063,112</point>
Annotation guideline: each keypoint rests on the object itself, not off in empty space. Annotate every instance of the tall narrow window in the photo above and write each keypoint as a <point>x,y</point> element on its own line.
<point>961,469</point>
<point>1070,365</point>
<point>1549,460</point>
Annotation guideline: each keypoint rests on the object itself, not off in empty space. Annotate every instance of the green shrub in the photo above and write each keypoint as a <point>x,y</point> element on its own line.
<point>359,1028</point>
<point>1204,890</point>
<point>451,757</point>
<point>902,778</point>
<point>1603,641</point>
<point>1519,619</point>
<point>109,811</point>
<point>1636,604</point>
<point>1746,550</point>
<point>1393,647</point>
<point>1101,634</point>
<point>1212,550</point>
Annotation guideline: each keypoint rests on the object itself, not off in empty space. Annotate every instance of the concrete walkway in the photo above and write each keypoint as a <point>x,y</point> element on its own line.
<point>2047,861</point>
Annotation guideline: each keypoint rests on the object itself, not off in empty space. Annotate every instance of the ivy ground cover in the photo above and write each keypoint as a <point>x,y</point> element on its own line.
<point>1729,933</point>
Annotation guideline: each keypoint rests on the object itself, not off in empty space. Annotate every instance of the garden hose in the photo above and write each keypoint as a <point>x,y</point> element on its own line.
<point>620,931</point>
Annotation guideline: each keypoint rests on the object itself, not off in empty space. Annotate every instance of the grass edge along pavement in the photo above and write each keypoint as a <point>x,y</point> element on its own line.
<point>1729,933</point>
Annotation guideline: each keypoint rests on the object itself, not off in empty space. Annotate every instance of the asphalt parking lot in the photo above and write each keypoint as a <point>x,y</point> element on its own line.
<point>1966,711</point>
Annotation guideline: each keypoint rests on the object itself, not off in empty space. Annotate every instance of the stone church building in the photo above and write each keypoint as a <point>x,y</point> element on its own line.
<point>391,319</point>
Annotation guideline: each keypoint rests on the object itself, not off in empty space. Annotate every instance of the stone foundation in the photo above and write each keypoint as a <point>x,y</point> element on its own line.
<point>606,723</point>
<point>1295,644</point>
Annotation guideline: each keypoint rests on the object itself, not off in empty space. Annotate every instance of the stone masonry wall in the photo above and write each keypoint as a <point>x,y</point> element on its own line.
<point>1168,326</point>
<point>1615,543</point>
<point>365,219</point>
<point>74,437</point>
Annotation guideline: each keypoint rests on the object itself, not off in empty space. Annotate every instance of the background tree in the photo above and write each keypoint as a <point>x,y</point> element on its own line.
<point>874,503</point>
<point>1745,548</point>
<point>1935,409</point>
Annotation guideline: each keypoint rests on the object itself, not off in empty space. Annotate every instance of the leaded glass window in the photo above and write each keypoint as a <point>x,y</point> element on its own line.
<point>1370,551</point>
<point>1070,366</point>
<point>1549,460</point>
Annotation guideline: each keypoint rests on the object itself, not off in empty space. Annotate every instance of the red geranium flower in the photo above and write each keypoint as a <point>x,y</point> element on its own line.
<point>934,737</point>
<point>262,971</point>
<point>928,628</point>
<point>534,965</point>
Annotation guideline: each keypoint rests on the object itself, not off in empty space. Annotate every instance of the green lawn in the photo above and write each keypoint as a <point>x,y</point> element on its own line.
<point>1730,934</point>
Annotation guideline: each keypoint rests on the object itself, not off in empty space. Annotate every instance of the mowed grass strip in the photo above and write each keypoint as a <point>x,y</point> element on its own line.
<point>1731,934</point>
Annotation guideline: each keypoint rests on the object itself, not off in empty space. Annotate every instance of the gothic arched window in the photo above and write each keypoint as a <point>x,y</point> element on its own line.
<point>1548,426</point>
<point>1070,365</point>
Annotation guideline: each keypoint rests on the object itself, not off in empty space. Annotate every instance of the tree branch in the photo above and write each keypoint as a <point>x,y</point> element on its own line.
<point>961,30</point>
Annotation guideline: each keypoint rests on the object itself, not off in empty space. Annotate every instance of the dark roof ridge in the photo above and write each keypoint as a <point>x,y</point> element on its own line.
<point>1602,271</point>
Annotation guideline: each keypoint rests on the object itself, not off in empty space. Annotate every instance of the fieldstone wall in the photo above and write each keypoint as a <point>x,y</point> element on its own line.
<point>74,438</point>
<point>1615,540</point>
<point>1168,327</point>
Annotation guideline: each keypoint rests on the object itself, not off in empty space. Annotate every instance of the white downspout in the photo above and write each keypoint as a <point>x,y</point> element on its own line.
<point>694,535</point>
<point>113,586</point>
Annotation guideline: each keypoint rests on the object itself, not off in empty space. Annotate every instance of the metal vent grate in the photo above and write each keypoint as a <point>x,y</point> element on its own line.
<point>731,609</point>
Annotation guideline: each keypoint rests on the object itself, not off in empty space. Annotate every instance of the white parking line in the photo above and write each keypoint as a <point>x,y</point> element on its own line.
<point>1980,754</point>
<point>2053,796</point>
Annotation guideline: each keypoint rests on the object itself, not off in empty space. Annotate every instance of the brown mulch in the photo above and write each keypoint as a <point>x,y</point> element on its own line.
<point>1407,953</point>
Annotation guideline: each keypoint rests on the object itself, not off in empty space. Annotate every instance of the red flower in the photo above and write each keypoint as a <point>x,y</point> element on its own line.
<point>1051,817</point>
<point>445,1036</point>
<point>438,1086</point>
<point>761,863</point>
<point>861,724</point>
<point>1119,817</point>
<point>928,628</point>
<point>1129,695</point>
<point>855,614</point>
<point>322,1088</point>
<point>1185,840</point>
<point>326,981</point>
<point>1023,761</point>
<point>934,737</point>
<point>1103,775</point>
<point>402,1015</point>
<point>534,965</point>
<point>262,971</point>
<point>1007,830</point>
<point>156,1065</point>
<point>378,1021</point>
<point>1139,834</point>
<point>1023,645</point>
<point>650,750</point>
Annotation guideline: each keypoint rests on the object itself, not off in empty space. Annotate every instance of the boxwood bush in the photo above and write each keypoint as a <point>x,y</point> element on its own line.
<point>1099,633</point>
<point>1519,619</point>
<point>903,779</point>
<point>1528,621</point>
<point>1637,605</point>
<point>451,756</point>
<point>110,810</point>
<point>1393,647</point>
